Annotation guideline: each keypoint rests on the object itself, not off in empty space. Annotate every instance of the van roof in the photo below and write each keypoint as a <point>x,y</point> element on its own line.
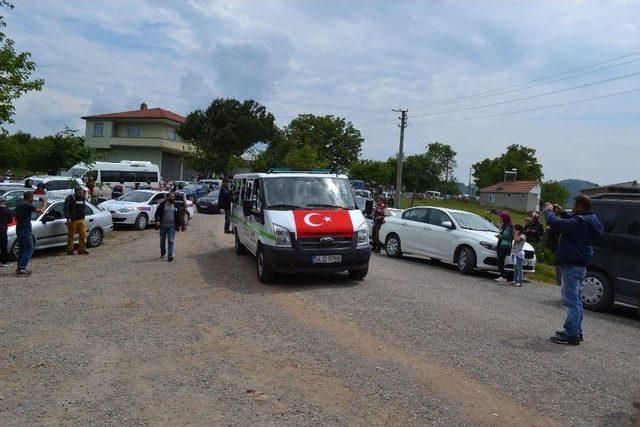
<point>288,175</point>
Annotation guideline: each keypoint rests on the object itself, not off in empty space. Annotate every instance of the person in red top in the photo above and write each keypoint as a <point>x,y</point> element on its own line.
<point>378,220</point>
<point>40,191</point>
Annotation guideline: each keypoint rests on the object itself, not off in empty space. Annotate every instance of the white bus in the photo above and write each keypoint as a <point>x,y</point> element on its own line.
<point>106,174</point>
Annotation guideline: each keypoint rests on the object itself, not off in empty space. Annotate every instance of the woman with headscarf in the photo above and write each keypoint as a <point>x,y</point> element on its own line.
<point>505,241</point>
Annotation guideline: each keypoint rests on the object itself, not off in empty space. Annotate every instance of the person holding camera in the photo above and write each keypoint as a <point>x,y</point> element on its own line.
<point>574,252</point>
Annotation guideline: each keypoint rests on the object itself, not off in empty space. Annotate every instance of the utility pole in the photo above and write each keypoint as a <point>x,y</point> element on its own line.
<point>402,125</point>
<point>469,187</point>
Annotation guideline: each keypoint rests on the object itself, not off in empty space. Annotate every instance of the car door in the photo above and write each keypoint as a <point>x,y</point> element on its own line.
<point>625,258</point>
<point>438,237</point>
<point>412,229</point>
<point>255,222</point>
<point>52,227</point>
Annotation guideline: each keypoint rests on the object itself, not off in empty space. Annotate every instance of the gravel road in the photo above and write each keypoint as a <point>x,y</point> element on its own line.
<point>121,337</point>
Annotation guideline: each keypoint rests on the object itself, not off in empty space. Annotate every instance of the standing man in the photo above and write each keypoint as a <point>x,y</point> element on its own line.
<point>224,202</point>
<point>74,208</point>
<point>574,253</point>
<point>23,210</point>
<point>6,216</point>
<point>168,218</point>
<point>378,220</point>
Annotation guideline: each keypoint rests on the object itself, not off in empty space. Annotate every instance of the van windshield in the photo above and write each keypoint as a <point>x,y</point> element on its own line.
<point>308,192</point>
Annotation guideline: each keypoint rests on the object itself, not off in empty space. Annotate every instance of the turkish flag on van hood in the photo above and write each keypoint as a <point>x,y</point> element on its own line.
<point>334,223</point>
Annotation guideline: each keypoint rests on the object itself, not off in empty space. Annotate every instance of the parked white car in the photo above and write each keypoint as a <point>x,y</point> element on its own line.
<point>452,236</point>
<point>57,186</point>
<point>138,207</point>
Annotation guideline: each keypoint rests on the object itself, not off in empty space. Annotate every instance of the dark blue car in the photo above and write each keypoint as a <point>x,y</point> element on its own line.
<point>195,191</point>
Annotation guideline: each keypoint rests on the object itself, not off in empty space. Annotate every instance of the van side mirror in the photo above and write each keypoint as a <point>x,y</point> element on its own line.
<point>447,224</point>
<point>247,206</point>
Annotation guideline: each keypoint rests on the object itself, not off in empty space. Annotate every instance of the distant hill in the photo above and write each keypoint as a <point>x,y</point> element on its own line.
<point>574,186</point>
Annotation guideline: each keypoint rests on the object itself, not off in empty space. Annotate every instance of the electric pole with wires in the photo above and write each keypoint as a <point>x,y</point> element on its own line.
<point>402,126</point>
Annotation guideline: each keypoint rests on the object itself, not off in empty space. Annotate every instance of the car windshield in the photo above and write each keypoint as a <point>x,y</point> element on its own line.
<point>213,193</point>
<point>4,190</point>
<point>308,192</point>
<point>470,221</point>
<point>191,187</point>
<point>136,196</point>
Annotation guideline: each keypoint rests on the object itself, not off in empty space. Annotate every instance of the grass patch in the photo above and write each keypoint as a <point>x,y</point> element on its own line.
<point>544,273</point>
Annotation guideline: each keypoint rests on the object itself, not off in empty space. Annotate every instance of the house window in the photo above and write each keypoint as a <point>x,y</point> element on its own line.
<point>492,198</point>
<point>133,131</point>
<point>98,129</point>
<point>172,134</point>
<point>114,130</point>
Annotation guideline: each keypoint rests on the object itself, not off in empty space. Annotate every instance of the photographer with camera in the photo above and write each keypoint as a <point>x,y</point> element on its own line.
<point>573,254</point>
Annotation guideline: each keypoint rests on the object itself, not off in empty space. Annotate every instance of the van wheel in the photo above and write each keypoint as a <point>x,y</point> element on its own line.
<point>392,246</point>
<point>239,247</point>
<point>94,238</point>
<point>265,274</point>
<point>358,274</point>
<point>141,221</point>
<point>596,291</point>
<point>466,260</point>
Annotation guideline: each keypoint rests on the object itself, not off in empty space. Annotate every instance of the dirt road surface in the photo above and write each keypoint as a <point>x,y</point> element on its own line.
<point>122,337</point>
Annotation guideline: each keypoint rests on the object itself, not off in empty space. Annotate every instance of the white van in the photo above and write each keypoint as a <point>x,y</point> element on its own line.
<point>299,222</point>
<point>107,174</point>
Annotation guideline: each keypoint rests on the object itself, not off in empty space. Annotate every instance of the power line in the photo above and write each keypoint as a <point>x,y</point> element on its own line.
<point>477,107</point>
<point>492,91</point>
<point>509,113</point>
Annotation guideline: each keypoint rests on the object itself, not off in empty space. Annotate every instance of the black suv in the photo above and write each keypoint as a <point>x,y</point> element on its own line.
<point>614,274</point>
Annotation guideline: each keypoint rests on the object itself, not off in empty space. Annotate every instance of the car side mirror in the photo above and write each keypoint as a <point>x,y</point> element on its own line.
<point>247,206</point>
<point>448,224</point>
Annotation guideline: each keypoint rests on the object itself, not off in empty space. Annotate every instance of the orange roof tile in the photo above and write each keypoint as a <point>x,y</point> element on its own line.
<point>147,113</point>
<point>511,187</point>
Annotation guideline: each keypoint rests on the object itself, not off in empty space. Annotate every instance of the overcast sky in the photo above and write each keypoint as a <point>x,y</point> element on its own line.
<point>357,59</point>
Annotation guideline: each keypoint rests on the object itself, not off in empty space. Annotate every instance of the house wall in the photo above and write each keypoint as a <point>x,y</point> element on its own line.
<point>116,133</point>
<point>522,202</point>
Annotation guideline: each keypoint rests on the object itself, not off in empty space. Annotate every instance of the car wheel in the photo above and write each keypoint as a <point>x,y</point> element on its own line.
<point>265,274</point>
<point>392,246</point>
<point>358,274</point>
<point>141,221</point>
<point>240,249</point>
<point>596,291</point>
<point>186,218</point>
<point>466,260</point>
<point>94,238</point>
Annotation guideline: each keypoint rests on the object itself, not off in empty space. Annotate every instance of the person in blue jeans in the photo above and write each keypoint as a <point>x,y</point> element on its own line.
<point>573,254</point>
<point>23,212</point>
<point>169,218</point>
<point>517,252</point>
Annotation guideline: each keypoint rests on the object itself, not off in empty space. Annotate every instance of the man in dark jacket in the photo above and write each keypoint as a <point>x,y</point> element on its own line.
<point>74,208</point>
<point>533,229</point>
<point>6,218</point>
<point>224,202</point>
<point>169,218</point>
<point>573,254</point>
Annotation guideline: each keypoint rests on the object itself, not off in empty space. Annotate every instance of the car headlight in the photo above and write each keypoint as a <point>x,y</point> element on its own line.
<point>125,210</point>
<point>363,234</point>
<point>489,246</point>
<point>283,235</point>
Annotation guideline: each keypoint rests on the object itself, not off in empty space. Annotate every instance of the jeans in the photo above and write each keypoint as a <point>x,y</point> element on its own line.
<point>80,227</point>
<point>25,247</point>
<point>503,253</point>
<point>517,270</point>
<point>227,219</point>
<point>167,232</point>
<point>572,277</point>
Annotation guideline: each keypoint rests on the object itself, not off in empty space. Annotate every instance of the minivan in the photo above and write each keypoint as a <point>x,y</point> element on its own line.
<point>614,274</point>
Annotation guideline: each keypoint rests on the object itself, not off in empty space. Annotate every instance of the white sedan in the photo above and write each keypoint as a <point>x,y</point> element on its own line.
<point>452,236</point>
<point>138,207</point>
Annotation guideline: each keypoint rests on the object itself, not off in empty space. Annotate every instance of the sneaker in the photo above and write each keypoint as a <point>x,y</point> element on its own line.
<point>162,256</point>
<point>23,272</point>
<point>6,265</point>
<point>170,259</point>
<point>228,232</point>
<point>500,279</point>
<point>518,285</point>
<point>563,333</point>
<point>563,338</point>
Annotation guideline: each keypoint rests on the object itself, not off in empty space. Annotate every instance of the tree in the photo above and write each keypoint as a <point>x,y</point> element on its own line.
<point>489,171</point>
<point>419,173</point>
<point>444,159</point>
<point>226,128</point>
<point>372,172</point>
<point>15,73</point>
<point>554,192</point>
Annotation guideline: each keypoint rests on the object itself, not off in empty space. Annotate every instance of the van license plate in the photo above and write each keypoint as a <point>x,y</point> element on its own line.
<point>326,259</point>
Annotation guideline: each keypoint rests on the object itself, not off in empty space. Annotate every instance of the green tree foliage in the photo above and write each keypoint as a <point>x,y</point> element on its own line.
<point>419,173</point>
<point>15,72</point>
<point>554,192</point>
<point>443,158</point>
<point>372,172</point>
<point>24,152</point>
<point>226,128</point>
<point>490,171</point>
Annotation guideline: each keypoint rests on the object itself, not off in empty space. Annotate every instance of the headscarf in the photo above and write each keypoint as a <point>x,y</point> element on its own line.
<point>506,218</point>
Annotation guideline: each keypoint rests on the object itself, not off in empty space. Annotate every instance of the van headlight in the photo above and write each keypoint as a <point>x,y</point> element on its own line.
<point>363,234</point>
<point>489,246</point>
<point>283,235</point>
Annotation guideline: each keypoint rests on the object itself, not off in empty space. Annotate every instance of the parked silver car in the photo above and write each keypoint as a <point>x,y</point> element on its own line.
<point>50,229</point>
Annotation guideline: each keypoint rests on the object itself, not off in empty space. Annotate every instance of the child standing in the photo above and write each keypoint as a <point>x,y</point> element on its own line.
<point>517,252</point>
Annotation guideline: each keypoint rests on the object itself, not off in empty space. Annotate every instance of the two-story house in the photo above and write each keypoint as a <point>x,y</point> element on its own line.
<point>145,134</point>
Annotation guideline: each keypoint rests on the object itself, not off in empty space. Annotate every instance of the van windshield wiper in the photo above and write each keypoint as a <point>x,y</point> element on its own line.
<point>284,207</point>
<point>320,205</point>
